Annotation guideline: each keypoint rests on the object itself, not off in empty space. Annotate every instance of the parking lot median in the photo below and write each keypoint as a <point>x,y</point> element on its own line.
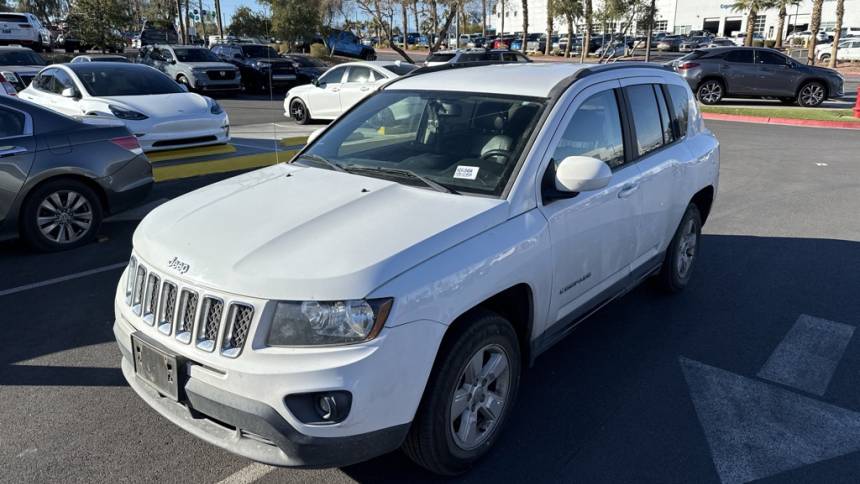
<point>811,117</point>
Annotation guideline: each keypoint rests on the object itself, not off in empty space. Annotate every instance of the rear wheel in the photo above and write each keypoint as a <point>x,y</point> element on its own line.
<point>710,91</point>
<point>682,252</point>
<point>811,94</point>
<point>184,81</point>
<point>299,112</point>
<point>469,395</point>
<point>61,214</point>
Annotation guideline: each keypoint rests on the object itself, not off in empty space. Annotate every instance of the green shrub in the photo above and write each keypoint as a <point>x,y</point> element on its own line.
<point>758,43</point>
<point>319,50</point>
<point>770,43</point>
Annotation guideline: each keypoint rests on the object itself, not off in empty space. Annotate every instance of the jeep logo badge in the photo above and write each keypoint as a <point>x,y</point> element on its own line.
<point>178,266</point>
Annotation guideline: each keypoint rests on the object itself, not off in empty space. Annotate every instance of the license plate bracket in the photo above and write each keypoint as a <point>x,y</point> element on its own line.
<point>156,367</point>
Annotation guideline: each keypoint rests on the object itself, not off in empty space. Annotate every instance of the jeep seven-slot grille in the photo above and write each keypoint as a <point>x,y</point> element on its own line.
<point>183,312</point>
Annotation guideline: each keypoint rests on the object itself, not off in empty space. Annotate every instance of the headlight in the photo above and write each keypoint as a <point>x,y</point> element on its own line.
<point>263,65</point>
<point>128,114</point>
<point>314,323</point>
<point>214,107</point>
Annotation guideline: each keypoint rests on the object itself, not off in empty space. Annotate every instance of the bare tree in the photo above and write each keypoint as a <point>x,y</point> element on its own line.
<point>840,12</point>
<point>379,10</point>
<point>218,19</point>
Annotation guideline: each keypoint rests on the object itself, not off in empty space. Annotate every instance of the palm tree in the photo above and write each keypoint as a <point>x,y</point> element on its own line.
<point>525,23</point>
<point>570,10</point>
<point>780,24</point>
<point>814,25</point>
<point>589,25</point>
<point>753,6</point>
<point>218,14</point>
<point>549,12</point>
<point>840,12</point>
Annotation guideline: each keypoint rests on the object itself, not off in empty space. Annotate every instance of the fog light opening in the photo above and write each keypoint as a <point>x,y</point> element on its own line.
<point>327,407</point>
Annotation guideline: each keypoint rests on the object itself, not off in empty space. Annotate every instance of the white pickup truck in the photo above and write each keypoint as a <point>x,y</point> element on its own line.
<point>388,286</point>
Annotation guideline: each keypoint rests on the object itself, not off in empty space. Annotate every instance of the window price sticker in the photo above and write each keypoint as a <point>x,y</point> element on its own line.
<point>466,172</point>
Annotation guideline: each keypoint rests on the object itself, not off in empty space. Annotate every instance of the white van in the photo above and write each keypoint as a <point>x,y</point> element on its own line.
<point>23,29</point>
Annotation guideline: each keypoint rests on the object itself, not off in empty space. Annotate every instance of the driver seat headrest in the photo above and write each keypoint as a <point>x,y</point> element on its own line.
<point>498,142</point>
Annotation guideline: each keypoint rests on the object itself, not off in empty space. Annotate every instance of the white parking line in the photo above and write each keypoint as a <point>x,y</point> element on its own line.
<point>57,280</point>
<point>249,474</point>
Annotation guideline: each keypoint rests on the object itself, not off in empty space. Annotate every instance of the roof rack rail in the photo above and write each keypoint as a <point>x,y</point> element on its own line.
<point>598,68</point>
<point>454,65</point>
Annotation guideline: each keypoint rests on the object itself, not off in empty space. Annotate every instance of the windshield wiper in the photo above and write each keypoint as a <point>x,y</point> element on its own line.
<point>321,159</point>
<point>401,173</point>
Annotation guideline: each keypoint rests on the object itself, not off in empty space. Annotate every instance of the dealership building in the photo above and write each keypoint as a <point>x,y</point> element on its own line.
<point>682,16</point>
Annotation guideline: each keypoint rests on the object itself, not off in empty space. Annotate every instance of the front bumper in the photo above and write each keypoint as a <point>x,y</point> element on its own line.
<point>255,430</point>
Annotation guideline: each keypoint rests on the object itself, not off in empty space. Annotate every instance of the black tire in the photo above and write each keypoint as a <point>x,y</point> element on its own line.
<point>811,94</point>
<point>710,91</point>
<point>431,439</point>
<point>675,274</point>
<point>825,58</point>
<point>33,209</point>
<point>184,81</point>
<point>299,112</point>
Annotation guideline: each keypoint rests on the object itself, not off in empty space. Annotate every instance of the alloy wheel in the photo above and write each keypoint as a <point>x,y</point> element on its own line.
<point>480,397</point>
<point>298,111</point>
<point>687,249</point>
<point>64,216</point>
<point>812,95</point>
<point>710,92</point>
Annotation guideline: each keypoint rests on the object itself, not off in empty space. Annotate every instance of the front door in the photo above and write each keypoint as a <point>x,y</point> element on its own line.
<point>593,233</point>
<point>775,75</point>
<point>16,155</point>
<point>324,99</point>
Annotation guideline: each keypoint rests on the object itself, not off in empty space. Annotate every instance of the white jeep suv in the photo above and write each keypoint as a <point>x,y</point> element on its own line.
<point>388,286</point>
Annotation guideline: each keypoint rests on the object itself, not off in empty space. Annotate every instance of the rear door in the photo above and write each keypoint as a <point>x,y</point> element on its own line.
<point>739,71</point>
<point>17,147</point>
<point>359,83</point>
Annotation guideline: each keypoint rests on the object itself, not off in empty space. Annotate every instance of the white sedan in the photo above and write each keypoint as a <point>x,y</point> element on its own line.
<point>160,112</point>
<point>340,88</point>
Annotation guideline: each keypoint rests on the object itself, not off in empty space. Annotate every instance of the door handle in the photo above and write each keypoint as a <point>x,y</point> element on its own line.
<point>334,89</point>
<point>365,89</point>
<point>628,190</point>
<point>11,151</point>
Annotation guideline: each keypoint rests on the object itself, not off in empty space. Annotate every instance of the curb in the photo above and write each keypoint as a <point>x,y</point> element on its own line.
<point>808,123</point>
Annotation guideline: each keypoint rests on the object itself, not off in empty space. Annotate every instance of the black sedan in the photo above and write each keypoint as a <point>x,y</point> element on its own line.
<point>307,68</point>
<point>59,176</point>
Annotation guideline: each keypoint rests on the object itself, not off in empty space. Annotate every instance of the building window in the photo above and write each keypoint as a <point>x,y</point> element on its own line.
<point>682,29</point>
<point>758,27</point>
<point>661,25</point>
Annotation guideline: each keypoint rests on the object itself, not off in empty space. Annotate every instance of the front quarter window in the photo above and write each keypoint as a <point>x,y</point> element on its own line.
<point>465,142</point>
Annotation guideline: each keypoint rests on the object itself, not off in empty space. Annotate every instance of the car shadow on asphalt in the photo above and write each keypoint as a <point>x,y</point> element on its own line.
<point>608,403</point>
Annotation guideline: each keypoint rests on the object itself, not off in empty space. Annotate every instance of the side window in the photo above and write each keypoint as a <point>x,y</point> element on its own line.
<point>522,58</point>
<point>668,132</point>
<point>509,57</point>
<point>45,80</point>
<point>11,123</point>
<point>63,81</point>
<point>680,108</point>
<point>358,74</point>
<point>769,58</point>
<point>646,117</point>
<point>333,76</point>
<point>743,56</point>
<point>594,130</point>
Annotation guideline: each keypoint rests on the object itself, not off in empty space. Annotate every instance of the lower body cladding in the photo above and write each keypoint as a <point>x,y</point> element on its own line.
<point>259,413</point>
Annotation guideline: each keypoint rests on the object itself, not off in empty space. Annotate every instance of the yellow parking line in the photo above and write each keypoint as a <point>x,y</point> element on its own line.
<point>294,141</point>
<point>176,172</point>
<point>190,152</point>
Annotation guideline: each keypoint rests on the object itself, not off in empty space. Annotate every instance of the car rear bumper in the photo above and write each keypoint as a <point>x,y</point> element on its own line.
<point>129,185</point>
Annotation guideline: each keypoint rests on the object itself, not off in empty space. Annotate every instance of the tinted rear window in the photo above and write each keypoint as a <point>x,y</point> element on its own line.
<point>680,107</point>
<point>646,117</point>
<point>124,80</point>
<point>400,69</point>
<point>21,58</point>
<point>7,17</point>
<point>741,55</point>
<point>11,123</point>
<point>693,55</point>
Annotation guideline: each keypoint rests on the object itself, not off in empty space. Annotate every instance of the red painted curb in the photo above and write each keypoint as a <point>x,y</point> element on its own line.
<point>809,123</point>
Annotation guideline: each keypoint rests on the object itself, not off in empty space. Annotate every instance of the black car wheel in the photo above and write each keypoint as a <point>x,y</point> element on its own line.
<point>61,214</point>
<point>811,94</point>
<point>184,81</point>
<point>710,92</point>
<point>681,254</point>
<point>299,112</point>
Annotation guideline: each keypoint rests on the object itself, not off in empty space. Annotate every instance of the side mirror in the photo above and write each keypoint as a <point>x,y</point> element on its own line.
<point>314,135</point>
<point>316,81</point>
<point>70,93</point>
<point>581,174</point>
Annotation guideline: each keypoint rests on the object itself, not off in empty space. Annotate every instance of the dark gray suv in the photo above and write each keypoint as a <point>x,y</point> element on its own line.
<point>756,72</point>
<point>60,176</point>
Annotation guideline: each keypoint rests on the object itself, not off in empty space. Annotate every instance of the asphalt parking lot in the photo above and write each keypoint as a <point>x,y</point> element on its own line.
<point>705,386</point>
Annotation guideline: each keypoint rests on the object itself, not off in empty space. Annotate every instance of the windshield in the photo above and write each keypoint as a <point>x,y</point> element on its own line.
<point>124,80</point>
<point>259,51</point>
<point>195,55</point>
<point>400,69</point>
<point>466,142</point>
<point>305,61</point>
<point>21,58</point>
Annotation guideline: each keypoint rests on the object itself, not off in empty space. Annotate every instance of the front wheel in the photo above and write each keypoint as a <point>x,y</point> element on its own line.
<point>469,396</point>
<point>299,112</point>
<point>682,252</point>
<point>710,92</point>
<point>61,214</point>
<point>184,81</point>
<point>811,94</point>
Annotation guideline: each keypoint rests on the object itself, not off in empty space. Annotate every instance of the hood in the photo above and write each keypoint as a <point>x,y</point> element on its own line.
<point>271,60</point>
<point>162,105</point>
<point>295,233</point>
<point>211,65</point>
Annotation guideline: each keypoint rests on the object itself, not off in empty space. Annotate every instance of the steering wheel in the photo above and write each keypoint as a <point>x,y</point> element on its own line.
<point>496,153</point>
